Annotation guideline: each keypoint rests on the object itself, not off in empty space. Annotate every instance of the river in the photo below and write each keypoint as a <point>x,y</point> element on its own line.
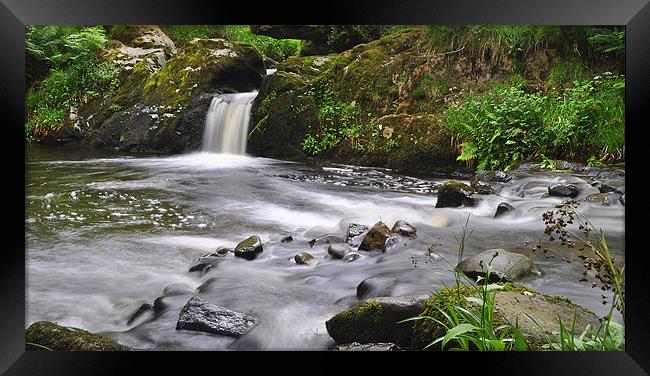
<point>106,233</point>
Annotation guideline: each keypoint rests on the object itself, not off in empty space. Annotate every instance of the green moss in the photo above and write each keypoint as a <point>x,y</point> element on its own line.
<point>57,337</point>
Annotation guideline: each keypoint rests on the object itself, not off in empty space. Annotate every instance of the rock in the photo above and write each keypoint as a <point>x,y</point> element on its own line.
<point>351,256</point>
<point>404,228</point>
<point>356,346</point>
<point>159,305</point>
<point>454,194</point>
<point>339,250</point>
<point>503,208</point>
<point>375,320</point>
<point>208,285</point>
<point>144,308</point>
<point>374,287</point>
<point>377,238</point>
<point>222,252</point>
<point>286,238</point>
<point>304,258</point>
<point>599,199</point>
<point>250,248</point>
<point>176,289</point>
<point>513,302</point>
<point>621,199</point>
<point>606,188</point>
<point>564,190</point>
<point>480,187</point>
<point>326,239</point>
<point>144,36</point>
<point>355,234</point>
<point>201,316</point>
<point>492,176</point>
<point>61,338</point>
<point>209,261</point>
<point>504,265</point>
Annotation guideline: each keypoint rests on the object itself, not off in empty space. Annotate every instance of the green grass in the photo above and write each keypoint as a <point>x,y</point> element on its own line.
<point>276,49</point>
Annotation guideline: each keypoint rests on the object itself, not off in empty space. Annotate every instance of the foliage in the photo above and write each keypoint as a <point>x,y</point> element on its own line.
<point>508,125</point>
<point>607,40</point>
<point>276,49</point>
<point>181,34</point>
<point>337,121</point>
<point>76,74</point>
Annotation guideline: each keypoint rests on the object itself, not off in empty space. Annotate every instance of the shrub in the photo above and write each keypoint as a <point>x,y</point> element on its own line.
<point>508,125</point>
<point>276,49</point>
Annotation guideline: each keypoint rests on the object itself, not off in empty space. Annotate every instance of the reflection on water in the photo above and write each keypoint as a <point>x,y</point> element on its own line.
<point>106,233</point>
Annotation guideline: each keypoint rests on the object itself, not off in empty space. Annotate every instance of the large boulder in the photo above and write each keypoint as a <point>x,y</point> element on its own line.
<point>43,335</point>
<point>513,304</point>
<point>378,238</point>
<point>144,36</point>
<point>503,265</point>
<point>454,194</point>
<point>249,248</point>
<point>375,320</point>
<point>199,315</point>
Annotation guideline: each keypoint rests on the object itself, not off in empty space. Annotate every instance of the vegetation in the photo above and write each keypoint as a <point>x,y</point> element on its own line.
<point>75,74</point>
<point>507,125</point>
<point>469,314</point>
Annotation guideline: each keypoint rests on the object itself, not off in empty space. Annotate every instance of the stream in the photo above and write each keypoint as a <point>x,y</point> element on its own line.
<point>106,233</point>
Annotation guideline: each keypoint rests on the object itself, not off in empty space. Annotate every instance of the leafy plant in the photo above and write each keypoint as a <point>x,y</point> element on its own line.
<point>276,49</point>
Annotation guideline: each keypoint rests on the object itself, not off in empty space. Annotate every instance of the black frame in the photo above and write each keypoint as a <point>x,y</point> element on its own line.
<point>15,14</point>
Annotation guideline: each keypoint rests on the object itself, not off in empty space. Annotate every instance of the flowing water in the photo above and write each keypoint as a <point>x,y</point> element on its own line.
<point>226,123</point>
<point>107,233</point>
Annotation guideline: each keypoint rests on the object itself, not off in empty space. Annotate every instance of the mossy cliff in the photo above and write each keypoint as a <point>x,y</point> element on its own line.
<point>382,103</point>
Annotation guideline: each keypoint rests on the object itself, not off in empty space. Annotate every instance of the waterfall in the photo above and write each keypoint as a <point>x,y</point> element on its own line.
<point>226,124</point>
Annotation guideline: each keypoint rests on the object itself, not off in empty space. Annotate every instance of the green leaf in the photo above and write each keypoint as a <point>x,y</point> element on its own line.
<point>456,331</point>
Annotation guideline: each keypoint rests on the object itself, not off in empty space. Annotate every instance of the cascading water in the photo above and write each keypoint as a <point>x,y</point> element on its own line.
<point>226,124</point>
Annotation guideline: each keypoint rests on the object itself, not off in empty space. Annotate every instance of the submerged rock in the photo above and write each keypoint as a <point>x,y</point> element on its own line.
<point>356,346</point>
<point>250,248</point>
<point>326,239</point>
<point>375,320</point>
<point>199,315</point>
<point>377,238</point>
<point>304,258</point>
<point>564,190</point>
<point>351,256</point>
<point>404,228</point>
<point>286,238</point>
<point>374,287</point>
<point>513,303</point>
<point>502,209</point>
<point>143,309</point>
<point>339,250</point>
<point>504,265</point>
<point>454,194</point>
<point>61,338</point>
<point>176,289</point>
<point>355,234</point>
<point>606,188</point>
<point>599,199</point>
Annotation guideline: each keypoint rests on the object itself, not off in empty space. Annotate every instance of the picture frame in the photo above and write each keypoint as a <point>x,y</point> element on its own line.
<point>634,14</point>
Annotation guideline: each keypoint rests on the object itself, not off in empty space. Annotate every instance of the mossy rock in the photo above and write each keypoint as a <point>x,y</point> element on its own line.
<point>513,303</point>
<point>376,320</point>
<point>46,334</point>
<point>454,194</point>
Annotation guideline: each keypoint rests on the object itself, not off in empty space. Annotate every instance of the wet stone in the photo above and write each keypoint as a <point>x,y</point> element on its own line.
<point>304,258</point>
<point>250,248</point>
<point>202,316</point>
<point>339,250</point>
<point>404,228</point>
<point>503,208</point>
<point>351,256</point>
<point>326,239</point>
<point>564,190</point>
<point>355,234</point>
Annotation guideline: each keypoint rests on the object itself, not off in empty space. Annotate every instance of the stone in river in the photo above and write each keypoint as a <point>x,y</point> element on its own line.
<point>564,190</point>
<point>376,238</point>
<point>504,265</point>
<point>304,258</point>
<point>355,234</point>
<point>339,250</point>
<point>326,239</point>
<point>502,209</point>
<point>404,228</point>
<point>250,248</point>
<point>199,315</point>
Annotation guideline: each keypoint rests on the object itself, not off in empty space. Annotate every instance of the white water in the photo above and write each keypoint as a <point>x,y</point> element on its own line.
<point>226,124</point>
